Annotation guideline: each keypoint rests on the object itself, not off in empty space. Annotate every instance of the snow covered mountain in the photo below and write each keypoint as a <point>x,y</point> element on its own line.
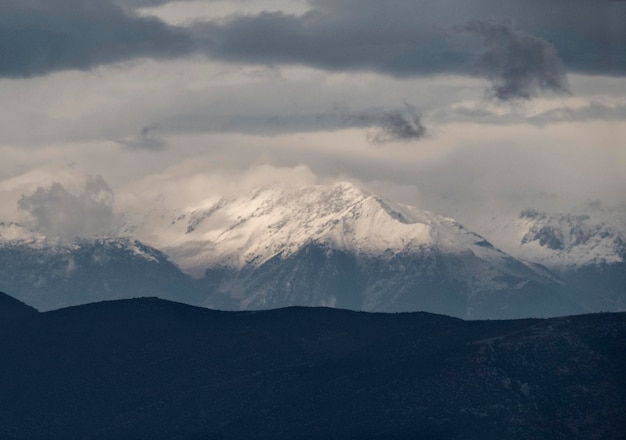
<point>51,274</point>
<point>335,246</point>
<point>586,249</point>
<point>561,241</point>
<point>341,247</point>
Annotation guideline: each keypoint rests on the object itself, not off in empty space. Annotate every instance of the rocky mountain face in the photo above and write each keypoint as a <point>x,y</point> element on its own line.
<point>50,275</point>
<point>149,368</point>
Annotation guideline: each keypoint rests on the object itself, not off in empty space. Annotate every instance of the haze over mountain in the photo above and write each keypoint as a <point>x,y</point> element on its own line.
<point>334,245</point>
<point>148,368</point>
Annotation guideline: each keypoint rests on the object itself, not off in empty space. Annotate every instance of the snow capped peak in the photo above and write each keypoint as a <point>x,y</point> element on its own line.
<point>14,234</point>
<point>278,221</point>
<point>589,236</point>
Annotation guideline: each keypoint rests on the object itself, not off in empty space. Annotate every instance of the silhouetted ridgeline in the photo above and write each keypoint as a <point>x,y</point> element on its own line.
<point>149,368</point>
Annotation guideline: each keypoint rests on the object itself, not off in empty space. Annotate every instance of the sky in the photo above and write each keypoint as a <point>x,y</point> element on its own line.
<point>474,109</point>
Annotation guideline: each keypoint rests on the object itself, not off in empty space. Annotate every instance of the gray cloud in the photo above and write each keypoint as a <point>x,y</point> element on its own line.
<point>408,37</point>
<point>384,126</point>
<point>147,139</point>
<point>333,40</point>
<point>42,36</point>
<point>591,111</point>
<point>392,125</point>
<point>57,213</point>
<point>398,126</point>
<point>400,37</point>
<point>143,3</point>
<point>518,65</point>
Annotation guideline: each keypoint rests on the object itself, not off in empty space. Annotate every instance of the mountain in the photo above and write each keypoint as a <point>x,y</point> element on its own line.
<point>335,246</point>
<point>51,274</point>
<point>341,247</point>
<point>148,368</point>
<point>11,309</point>
<point>586,249</point>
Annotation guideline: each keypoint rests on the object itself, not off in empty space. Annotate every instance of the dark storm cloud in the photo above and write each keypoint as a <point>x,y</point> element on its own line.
<point>329,41</point>
<point>518,65</point>
<point>57,213</point>
<point>143,3</point>
<point>409,37</point>
<point>41,36</point>
<point>400,37</point>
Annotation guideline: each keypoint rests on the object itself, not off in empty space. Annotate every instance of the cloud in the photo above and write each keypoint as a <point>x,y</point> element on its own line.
<point>59,214</point>
<point>147,140</point>
<point>593,111</point>
<point>518,65</point>
<point>401,38</point>
<point>41,36</point>
<point>384,125</point>
<point>393,126</point>
<point>408,38</point>
<point>332,39</point>
<point>143,3</point>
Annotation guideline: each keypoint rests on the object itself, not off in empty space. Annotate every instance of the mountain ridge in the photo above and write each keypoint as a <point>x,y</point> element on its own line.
<point>335,246</point>
<point>151,368</point>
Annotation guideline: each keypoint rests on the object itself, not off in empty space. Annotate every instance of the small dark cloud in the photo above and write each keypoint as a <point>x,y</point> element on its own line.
<point>518,65</point>
<point>59,214</point>
<point>147,139</point>
<point>396,125</point>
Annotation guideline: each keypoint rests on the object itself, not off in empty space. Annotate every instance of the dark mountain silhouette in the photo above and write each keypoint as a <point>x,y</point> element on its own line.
<point>12,309</point>
<point>149,368</point>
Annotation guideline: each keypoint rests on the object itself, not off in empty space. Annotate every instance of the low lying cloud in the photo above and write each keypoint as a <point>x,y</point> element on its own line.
<point>59,214</point>
<point>518,65</point>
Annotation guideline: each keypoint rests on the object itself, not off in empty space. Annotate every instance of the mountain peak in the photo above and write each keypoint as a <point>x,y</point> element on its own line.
<point>277,220</point>
<point>585,236</point>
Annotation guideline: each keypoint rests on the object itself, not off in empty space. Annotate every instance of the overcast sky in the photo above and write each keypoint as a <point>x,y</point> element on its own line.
<point>469,108</point>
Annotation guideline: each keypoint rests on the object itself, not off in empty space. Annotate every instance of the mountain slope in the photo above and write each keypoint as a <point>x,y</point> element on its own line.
<point>339,246</point>
<point>148,368</point>
<point>50,275</point>
<point>12,309</point>
<point>586,249</point>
